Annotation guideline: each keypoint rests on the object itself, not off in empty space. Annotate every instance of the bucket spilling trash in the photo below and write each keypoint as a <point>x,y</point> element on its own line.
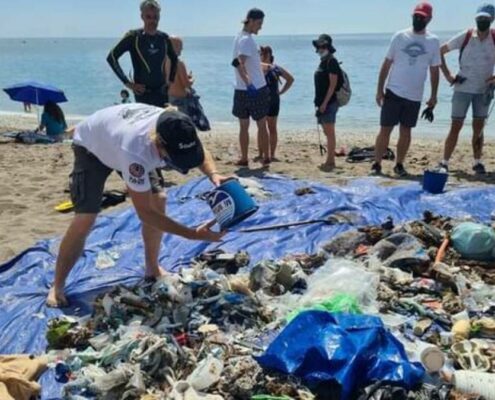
<point>434,181</point>
<point>231,203</point>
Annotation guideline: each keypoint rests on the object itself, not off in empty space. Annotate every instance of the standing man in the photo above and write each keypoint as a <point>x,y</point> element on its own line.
<point>476,62</point>
<point>412,52</point>
<point>135,140</point>
<point>252,95</point>
<point>150,51</point>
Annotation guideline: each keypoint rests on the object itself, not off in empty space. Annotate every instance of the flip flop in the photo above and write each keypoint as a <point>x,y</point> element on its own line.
<point>64,207</point>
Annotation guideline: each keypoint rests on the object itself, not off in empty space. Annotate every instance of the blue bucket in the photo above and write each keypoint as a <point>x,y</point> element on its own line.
<point>434,182</point>
<point>230,203</point>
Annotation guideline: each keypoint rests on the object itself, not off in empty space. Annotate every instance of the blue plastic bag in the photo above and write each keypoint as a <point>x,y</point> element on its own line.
<point>354,350</point>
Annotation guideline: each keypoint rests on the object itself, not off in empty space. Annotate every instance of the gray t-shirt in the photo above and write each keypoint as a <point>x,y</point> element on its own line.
<point>477,62</point>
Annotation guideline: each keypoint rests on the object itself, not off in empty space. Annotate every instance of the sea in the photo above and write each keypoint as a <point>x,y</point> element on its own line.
<point>78,66</point>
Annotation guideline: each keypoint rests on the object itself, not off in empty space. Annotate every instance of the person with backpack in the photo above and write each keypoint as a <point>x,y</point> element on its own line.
<point>328,81</point>
<point>472,83</point>
<point>411,54</point>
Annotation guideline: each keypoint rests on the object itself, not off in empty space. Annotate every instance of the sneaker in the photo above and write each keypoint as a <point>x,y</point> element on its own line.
<point>400,171</point>
<point>479,169</point>
<point>376,169</point>
<point>442,167</point>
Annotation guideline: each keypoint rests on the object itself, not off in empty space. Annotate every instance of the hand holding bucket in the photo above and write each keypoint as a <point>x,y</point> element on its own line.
<point>230,203</point>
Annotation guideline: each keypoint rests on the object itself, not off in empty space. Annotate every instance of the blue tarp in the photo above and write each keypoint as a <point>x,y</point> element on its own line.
<point>353,350</point>
<point>24,280</point>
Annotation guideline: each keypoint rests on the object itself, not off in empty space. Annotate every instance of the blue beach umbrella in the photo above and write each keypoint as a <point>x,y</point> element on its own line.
<point>35,93</point>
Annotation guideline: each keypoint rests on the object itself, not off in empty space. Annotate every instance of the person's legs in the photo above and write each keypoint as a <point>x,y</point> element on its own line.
<point>71,248</point>
<point>152,239</point>
<point>452,138</point>
<point>382,142</point>
<point>329,130</point>
<point>273,132</point>
<point>244,139</point>
<point>86,188</point>
<point>403,143</point>
<point>478,138</point>
<point>263,139</point>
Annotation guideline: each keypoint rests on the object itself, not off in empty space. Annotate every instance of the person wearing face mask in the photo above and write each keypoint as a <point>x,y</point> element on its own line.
<point>411,54</point>
<point>153,58</point>
<point>476,63</point>
<point>328,80</point>
<point>135,140</point>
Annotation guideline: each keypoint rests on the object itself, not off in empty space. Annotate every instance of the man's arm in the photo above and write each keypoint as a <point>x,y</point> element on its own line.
<point>382,78</point>
<point>113,57</point>
<point>435,79</point>
<point>148,215</point>
<point>173,61</point>
<point>209,169</point>
<point>334,78</point>
<point>242,69</point>
<point>183,76</point>
<point>445,68</point>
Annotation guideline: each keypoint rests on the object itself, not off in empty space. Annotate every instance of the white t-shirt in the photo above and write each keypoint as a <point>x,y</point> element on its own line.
<point>245,45</point>
<point>477,62</point>
<point>119,137</point>
<point>412,55</point>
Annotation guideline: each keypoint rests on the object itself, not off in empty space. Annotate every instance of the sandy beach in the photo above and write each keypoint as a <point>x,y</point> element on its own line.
<point>34,178</point>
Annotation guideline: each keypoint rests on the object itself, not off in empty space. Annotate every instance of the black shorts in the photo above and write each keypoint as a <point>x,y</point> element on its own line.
<point>274,108</point>
<point>256,107</point>
<point>88,178</point>
<point>157,98</point>
<point>398,110</point>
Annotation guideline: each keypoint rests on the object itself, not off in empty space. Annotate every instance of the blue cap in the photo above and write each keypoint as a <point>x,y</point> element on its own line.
<point>486,10</point>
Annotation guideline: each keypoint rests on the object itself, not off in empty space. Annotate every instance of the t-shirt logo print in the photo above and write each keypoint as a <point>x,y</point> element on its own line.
<point>136,170</point>
<point>414,50</point>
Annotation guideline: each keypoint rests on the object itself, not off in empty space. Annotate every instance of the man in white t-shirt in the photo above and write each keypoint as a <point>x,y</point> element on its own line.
<point>135,140</point>
<point>411,54</point>
<point>471,86</point>
<point>252,95</point>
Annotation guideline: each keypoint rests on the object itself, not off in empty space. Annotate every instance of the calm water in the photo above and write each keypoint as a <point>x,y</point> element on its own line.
<point>79,67</point>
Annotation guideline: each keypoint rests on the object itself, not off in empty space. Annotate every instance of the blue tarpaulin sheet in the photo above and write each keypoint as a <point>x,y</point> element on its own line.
<point>24,280</point>
<point>354,350</point>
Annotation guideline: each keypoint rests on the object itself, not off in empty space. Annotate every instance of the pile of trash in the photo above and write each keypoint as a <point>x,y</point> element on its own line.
<point>383,312</point>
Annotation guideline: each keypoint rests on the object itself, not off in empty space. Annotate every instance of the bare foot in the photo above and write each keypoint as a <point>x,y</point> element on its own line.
<point>327,167</point>
<point>155,274</point>
<point>56,298</point>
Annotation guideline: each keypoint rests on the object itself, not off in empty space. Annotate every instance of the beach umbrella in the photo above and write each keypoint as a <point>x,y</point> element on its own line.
<point>35,93</point>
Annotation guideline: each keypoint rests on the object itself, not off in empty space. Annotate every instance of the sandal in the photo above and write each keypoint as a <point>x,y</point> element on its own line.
<point>241,163</point>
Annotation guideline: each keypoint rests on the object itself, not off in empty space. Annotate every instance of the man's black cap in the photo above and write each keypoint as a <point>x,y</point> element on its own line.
<point>178,136</point>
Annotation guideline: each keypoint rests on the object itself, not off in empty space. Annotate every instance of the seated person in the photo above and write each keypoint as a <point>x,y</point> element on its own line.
<point>53,121</point>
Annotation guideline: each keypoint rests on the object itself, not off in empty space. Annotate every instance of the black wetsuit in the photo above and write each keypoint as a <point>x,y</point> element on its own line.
<point>148,55</point>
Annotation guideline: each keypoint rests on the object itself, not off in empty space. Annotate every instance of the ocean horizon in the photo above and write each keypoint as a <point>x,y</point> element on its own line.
<point>78,66</point>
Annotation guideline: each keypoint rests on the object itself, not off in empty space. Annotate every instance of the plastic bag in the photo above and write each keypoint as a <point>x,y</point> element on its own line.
<point>342,277</point>
<point>354,350</point>
<point>474,241</point>
<point>340,303</point>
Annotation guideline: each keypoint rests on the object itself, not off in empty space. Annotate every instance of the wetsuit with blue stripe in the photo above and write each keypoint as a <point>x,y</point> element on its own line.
<point>149,56</point>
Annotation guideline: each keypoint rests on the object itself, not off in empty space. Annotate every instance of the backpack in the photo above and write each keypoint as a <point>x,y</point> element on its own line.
<point>468,37</point>
<point>345,92</point>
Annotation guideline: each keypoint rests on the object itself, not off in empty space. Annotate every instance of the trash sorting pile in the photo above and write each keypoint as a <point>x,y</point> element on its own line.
<point>114,256</point>
<point>367,324</point>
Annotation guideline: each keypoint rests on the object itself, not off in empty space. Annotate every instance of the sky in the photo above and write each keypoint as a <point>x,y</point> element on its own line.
<point>111,18</point>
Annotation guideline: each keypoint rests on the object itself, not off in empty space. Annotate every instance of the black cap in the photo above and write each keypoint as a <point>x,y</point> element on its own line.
<point>254,13</point>
<point>178,136</point>
<point>324,40</point>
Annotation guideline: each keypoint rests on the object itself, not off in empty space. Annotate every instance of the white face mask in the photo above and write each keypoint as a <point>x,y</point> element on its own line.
<point>323,53</point>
